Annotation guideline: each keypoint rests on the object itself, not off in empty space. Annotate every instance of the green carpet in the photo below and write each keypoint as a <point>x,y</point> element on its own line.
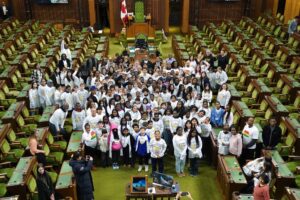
<point>110,184</point>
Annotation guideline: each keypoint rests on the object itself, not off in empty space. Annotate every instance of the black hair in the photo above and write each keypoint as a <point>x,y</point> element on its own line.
<point>265,178</point>
<point>190,137</point>
<point>115,134</point>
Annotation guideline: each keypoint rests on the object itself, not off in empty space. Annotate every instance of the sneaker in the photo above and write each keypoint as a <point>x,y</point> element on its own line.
<point>140,168</point>
<point>146,168</point>
<point>183,174</point>
<point>117,166</point>
<point>114,166</point>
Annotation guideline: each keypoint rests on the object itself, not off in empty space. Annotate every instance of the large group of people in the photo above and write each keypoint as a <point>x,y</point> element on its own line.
<point>136,112</point>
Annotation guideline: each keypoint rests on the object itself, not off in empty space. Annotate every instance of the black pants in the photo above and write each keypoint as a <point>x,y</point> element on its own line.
<point>159,162</point>
<point>206,148</point>
<point>143,159</point>
<point>90,151</point>
<point>41,158</point>
<point>115,156</point>
<point>104,159</point>
<point>126,156</point>
<point>193,166</point>
<point>54,132</point>
<point>247,154</point>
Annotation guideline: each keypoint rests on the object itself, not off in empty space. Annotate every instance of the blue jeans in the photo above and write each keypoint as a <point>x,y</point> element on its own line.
<point>179,165</point>
<point>54,131</point>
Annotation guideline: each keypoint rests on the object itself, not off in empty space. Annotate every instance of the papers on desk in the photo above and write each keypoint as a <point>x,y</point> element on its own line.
<point>151,190</point>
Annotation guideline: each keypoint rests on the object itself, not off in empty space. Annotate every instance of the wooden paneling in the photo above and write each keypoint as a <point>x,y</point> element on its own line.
<point>185,16</point>
<point>215,11</point>
<point>159,10</point>
<point>92,12</point>
<point>292,9</point>
<point>76,11</point>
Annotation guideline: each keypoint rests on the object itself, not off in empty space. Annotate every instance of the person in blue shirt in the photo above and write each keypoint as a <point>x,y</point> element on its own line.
<point>142,149</point>
<point>293,25</point>
<point>217,114</point>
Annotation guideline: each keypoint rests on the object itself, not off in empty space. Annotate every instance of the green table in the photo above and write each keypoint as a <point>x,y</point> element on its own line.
<point>17,183</point>
<point>230,175</point>
<point>74,143</point>
<point>235,95</point>
<point>284,177</point>
<point>65,185</point>
<point>292,193</point>
<point>47,113</point>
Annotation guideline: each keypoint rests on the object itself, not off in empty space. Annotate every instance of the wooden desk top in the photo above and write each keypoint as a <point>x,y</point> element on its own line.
<point>159,192</point>
<point>13,111</point>
<point>4,130</point>
<point>65,177</point>
<point>74,143</point>
<point>22,171</point>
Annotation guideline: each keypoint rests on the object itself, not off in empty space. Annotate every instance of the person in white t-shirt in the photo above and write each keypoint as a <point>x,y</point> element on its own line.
<point>180,147</point>
<point>158,148</point>
<point>250,135</point>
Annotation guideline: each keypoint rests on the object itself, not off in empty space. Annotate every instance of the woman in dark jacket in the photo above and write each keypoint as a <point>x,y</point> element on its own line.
<point>44,184</point>
<point>82,172</point>
<point>204,81</point>
<point>64,62</point>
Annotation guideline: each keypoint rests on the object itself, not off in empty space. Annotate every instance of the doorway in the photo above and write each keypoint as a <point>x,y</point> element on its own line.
<point>102,9</point>
<point>175,12</point>
<point>281,7</point>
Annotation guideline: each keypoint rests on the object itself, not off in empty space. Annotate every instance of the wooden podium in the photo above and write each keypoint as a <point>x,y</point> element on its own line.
<point>140,28</point>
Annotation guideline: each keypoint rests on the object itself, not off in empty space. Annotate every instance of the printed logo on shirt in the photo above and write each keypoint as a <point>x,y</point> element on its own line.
<point>93,135</point>
<point>246,133</point>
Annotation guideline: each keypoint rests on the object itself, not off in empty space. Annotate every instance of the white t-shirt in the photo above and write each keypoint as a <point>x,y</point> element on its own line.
<point>250,134</point>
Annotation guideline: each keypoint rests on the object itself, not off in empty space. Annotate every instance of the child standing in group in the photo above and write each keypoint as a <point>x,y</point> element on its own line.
<point>103,145</point>
<point>115,148</point>
<point>34,99</point>
<point>180,147</point>
<point>128,147</point>
<point>195,150</point>
<point>142,149</point>
<point>223,140</point>
<point>158,147</point>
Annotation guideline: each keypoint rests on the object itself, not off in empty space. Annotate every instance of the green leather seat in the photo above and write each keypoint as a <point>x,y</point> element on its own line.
<point>139,11</point>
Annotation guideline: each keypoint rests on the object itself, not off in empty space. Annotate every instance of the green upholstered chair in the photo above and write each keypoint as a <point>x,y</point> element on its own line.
<point>3,189</point>
<point>5,102</point>
<point>9,154</point>
<point>56,143</point>
<point>53,158</point>
<point>17,139</point>
<point>285,148</point>
<point>294,164</point>
<point>139,11</point>
<point>23,127</point>
<point>259,109</point>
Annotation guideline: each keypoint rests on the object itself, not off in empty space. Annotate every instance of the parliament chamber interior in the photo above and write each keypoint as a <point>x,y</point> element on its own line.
<point>150,99</point>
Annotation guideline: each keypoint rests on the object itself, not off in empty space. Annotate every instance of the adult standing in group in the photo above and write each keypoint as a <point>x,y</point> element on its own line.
<point>271,134</point>
<point>44,184</point>
<point>82,172</point>
<point>57,120</point>
<point>4,11</point>
<point>250,136</point>
<point>293,25</point>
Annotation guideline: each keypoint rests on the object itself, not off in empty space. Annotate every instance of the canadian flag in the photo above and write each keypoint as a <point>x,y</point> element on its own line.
<point>124,15</point>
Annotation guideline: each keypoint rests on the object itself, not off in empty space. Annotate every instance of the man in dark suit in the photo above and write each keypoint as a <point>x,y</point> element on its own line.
<point>271,134</point>
<point>4,11</point>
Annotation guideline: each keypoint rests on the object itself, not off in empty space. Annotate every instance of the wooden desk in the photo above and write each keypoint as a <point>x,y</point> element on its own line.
<point>8,75</point>
<point>237,196</point>
<point>55,53</point>
<point>235,95</point>
<point>66,185</point>
<point>284,177</point>
<point>23,95</point>
<point>140,28</point>
<point>48,64</point>
<point>160,194</point>
<point>292,84</point>
<point>291,193</point>
<point>74,143</point>
<point>17,184</point>
<point>274,71</point>
<point>47,113</point>
<point>277,108</point>
<point>19,61</point>
<point>214,145</point>
<point>4,130</point>
<point>42,135</point>
<point>293,127</point>
<point>241,113</point>
<point>261,89</point>
<point>13,113</point>
<point>230,175</point>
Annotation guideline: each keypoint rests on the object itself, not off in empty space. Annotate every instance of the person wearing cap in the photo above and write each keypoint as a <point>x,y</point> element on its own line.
<point>83,176</point>
<point>57,120</point>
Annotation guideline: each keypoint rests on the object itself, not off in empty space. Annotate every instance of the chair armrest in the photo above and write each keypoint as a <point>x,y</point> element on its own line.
<point>2,108</point>
<point>5,164</point>
<point>58,137</point>
<point>293,157</point>
<point>254,106</point>
<point>21,134</point>
<point>16,144</point>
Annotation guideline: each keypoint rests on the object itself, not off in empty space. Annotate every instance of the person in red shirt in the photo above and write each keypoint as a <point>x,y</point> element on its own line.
<point>261,191</point>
